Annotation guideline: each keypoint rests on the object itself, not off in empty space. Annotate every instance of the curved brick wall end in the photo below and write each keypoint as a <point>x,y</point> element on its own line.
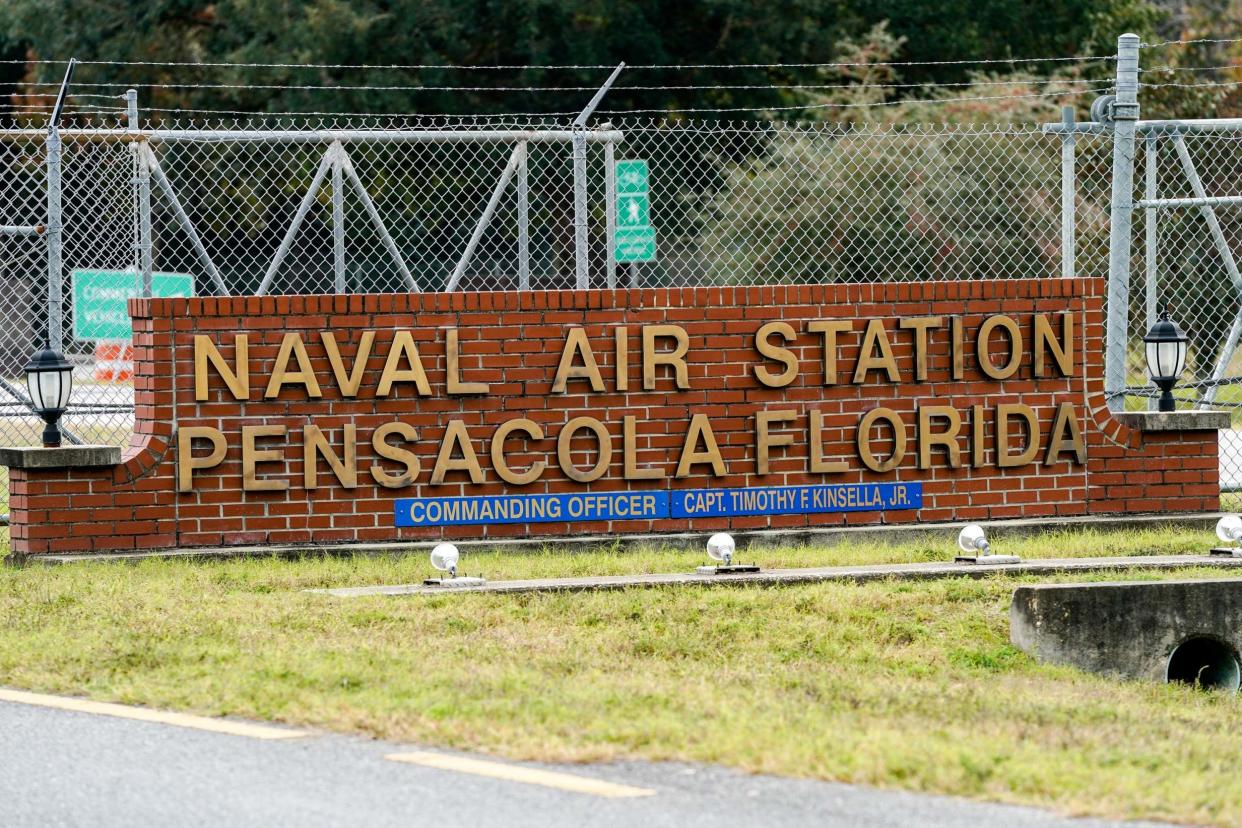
<point>258,489</point>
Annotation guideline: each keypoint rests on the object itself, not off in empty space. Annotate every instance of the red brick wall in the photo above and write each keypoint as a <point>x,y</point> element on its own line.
<point>514,341</point>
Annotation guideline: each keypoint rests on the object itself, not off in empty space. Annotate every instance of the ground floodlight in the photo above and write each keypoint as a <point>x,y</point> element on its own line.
<point>720,547</point>
<point>973,541</point>
<point>444,557</point>
<point>1229,529</point>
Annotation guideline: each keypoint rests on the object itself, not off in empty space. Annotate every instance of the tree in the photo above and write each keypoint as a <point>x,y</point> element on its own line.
<point>531,33</point>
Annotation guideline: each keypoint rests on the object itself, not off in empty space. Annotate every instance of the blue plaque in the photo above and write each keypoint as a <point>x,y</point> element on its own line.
<point>532,508</point>
<point>796,500</point>
<point>654,505</point>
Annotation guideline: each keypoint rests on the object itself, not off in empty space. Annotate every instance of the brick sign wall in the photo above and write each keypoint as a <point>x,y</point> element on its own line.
<point>335,419</point>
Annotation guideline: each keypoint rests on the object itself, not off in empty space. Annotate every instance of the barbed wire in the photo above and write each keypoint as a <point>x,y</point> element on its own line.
<point>325,113</point>
<point>666,111</point>
<point>1188,42</point>
<point>897,102</point>
<point>1196,85</point>
<point>259,124</point>
<point>1226,67</point>
<point>521,66</point>
<point>69,95</point>
<point>413,88</point>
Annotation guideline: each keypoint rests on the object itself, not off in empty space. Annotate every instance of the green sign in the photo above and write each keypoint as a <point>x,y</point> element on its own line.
<point>631,177</point>
<point>636,245</point>
<point>633,211</point>
<point>635,237</point>
<point>100,300</point>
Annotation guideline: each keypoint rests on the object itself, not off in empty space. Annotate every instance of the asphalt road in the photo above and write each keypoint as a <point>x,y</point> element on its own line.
<point>63,768</point>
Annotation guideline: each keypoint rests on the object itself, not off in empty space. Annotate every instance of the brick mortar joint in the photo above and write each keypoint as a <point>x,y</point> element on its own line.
<point>501,302</point>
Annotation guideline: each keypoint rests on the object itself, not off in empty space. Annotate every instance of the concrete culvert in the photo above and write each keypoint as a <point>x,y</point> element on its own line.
<point>1206,663</point>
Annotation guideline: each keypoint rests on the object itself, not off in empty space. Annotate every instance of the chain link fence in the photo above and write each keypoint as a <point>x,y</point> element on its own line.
<point>1184,260</point>
<point>367,206</point>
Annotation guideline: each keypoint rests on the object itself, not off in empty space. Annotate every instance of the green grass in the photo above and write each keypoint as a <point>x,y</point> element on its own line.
<point>906,685</point>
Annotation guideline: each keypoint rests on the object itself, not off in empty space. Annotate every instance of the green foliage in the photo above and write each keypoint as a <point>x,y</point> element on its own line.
<point>862,205</point>
<point>534,33</point>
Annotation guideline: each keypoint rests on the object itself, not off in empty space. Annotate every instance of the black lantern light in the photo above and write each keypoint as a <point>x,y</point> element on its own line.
<point>1166,357</point>
<point>49,379</point>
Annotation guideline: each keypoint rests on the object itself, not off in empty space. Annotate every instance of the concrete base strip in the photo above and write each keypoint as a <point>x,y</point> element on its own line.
<point>521,773</point>
<point>857,574</point>
<point>755,539</point>
<point>146,714</point>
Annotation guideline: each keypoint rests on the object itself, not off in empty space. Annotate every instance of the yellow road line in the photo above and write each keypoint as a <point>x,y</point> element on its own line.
<point>146,714</point>
<point>518,773</point>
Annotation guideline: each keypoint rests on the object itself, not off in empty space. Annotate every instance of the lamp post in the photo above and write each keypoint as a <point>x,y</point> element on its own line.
<point>1166,357</point>
<point>49,379</point>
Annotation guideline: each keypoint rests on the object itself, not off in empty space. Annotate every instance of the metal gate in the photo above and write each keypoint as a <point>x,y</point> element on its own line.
<point>1175,183</point>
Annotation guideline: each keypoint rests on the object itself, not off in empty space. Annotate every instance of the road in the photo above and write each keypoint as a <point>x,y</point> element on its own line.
<point>67,768</point>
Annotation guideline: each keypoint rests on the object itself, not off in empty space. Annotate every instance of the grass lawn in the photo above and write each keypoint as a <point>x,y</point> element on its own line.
<point>907,685</point>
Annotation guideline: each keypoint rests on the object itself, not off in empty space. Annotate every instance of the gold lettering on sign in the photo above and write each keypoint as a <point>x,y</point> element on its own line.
<point>675,358</point>
<point>385,449</point>
<point>765,440</point>
<point>237,378</point>
<point>920,325</point>
<point>1005,411</point>
<point>875,336</point>
<point>292,345</point>
<point>1065,436</point>
<point>777,353</point>
<point>700,431</point>
<point>629,452</point>
<point>978,446</point>
<point>828,330</point>
<point>316,445</point>
<point>1045,339</point>
<point>577,343</point>
<point>983,347</point>
<point>622,336</point>
<point>533,432</point>
<point>865,425</point>
<point>564,449</point>
<point>456,438</point>
<point>187,462</point>
<point>819,465</point>
<point>452,364</point>
<point>251,457</point>
<point>956,347</point>
<point>929,439</point>
<point>403,346</point>
<point>351,382</point>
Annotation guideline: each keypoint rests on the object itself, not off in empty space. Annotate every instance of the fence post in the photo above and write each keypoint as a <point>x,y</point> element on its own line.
<point>582,279</point>
<point>581,251</point>
<point>610,211</point>
<point>1125,116</point>
<point>55,269</point>
<point>142,195</point>
<point>1151,227</point>
<point>338,227</point>
<point>523,216</point>
<point>55,321</point>
<point>1069,189</point>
